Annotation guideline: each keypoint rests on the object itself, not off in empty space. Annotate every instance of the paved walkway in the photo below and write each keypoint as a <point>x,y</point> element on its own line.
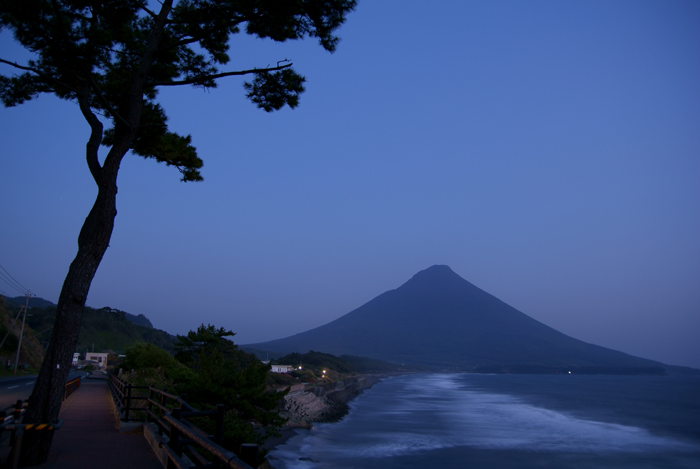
<point>90,437</point>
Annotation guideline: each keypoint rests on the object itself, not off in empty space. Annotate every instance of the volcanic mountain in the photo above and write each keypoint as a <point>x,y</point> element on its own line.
<point>439,319</point>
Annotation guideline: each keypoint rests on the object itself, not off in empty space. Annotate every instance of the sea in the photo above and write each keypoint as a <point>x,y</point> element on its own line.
<point>509,421</point>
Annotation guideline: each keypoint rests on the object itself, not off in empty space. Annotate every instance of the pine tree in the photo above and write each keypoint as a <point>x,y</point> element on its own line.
<point>110,58</point>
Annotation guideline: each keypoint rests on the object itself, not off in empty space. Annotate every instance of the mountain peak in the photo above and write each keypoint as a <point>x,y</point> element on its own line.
<point>437,318</point>
<point>435,278</point>
<point>436,271</point>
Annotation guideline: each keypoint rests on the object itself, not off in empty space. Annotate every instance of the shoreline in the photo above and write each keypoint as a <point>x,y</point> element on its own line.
<point>332,413</point>
<point>286,433</point>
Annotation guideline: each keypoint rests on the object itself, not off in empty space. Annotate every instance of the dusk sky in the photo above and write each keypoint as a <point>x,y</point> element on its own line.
<point>547,151</point>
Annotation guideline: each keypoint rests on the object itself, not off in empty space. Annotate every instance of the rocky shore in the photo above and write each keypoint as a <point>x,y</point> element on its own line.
<point>327,403</point>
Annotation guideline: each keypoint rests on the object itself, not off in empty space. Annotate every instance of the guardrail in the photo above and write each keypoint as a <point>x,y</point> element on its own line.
<point>185,444</point>
<point>17,411</point>
<point>10,420</point>
<point>18,430</point>
<point>71,387</point>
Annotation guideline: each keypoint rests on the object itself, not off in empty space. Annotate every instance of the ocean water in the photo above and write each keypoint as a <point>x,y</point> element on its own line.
<point>509,421</point>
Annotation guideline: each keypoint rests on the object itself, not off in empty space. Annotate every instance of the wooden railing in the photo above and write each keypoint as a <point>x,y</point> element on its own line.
<point>71,387</point>
<point>185,444</point>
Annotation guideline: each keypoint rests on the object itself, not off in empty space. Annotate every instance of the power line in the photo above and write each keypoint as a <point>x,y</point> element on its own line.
<point>10,280</point>
<point>5,279</point>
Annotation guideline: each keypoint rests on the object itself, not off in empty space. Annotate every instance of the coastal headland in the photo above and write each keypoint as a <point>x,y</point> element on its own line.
<point>328,403</point>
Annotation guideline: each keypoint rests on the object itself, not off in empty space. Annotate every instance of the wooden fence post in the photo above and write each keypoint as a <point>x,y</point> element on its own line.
<point>249,454</point>
<point>150,405</point>
<point>219,431</point>
<point>175,433</point>
<point>18,410</point>
<point>163,402</point>
<point>127,402</point>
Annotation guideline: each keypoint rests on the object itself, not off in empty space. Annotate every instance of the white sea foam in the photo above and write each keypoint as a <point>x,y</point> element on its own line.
<point>434,412</point>
<point>499,421</point>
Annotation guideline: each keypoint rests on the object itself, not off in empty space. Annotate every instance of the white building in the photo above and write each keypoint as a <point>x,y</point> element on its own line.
<point>99,358</point>
<point>281,368</point>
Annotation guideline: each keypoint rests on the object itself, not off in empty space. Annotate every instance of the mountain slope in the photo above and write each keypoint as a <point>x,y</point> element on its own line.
<point>35,302</point>
<point>438,318</point>
<point>100,329</point>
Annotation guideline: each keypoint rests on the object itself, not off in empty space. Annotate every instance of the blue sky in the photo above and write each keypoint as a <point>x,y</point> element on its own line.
<point>549,152</point>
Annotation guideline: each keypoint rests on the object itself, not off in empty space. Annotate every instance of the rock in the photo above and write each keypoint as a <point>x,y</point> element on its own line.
<point>328,403</point>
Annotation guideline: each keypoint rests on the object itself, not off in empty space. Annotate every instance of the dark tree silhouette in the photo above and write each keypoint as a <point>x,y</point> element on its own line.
<point>191,348</point>
<point>110,57</point>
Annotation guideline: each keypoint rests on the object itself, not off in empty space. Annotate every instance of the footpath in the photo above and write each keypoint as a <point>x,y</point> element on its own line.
<point>90,434</point>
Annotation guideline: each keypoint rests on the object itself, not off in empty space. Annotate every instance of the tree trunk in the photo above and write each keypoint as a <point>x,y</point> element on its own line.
<point>45,401</point>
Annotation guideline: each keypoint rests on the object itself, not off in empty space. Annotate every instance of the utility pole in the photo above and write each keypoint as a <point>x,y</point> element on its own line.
<point>21,332</point>
<point>10,329</point>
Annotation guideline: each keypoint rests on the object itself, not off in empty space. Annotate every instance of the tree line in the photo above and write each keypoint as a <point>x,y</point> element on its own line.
<point>208,369</point>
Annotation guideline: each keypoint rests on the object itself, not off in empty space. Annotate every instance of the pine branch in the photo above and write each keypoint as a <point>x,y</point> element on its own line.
<point>139,81</point>
<point>191,39</point>
<point>95,135</point>
<point>204,78</point>
<point>41,74</point>
<point>105,103</point>
<point>144,8</point>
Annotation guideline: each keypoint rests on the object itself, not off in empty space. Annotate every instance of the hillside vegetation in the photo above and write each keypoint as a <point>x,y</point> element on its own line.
<point>31,353</point>
<point>104,329</point>
<point>209,369</point>
<point>101,329</point>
